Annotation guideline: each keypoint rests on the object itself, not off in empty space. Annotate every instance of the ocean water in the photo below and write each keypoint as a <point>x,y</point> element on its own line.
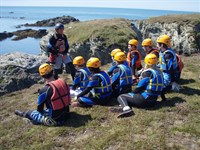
<point>10,17</point>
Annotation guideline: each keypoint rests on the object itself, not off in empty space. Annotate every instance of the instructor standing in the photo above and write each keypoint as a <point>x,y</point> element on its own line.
<point>58,47</point>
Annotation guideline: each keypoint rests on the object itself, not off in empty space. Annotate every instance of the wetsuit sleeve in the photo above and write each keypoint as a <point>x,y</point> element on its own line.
<point>115,77</point>
<point>110,71</point>
<point>92,83</point>
<point>44,95</point>
<point>134,57</point>
<point>77,80</point>
<point>146,76</point>
<point>169,61</point>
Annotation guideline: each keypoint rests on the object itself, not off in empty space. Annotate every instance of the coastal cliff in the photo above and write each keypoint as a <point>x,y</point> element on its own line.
<point>184,30</point>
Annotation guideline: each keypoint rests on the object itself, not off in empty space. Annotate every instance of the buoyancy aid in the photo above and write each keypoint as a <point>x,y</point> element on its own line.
<point>125,76</point>
<point>60,43</point>
<point>105,87</point>
<point>129,58</point>
<point>86,74</point>
<point>61,94</point>
<point>156,84</point>
<point>162,62</point>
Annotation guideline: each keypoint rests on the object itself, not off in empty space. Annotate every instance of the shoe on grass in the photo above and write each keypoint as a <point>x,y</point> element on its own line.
<point>19,113</point>
<point>126,113</point>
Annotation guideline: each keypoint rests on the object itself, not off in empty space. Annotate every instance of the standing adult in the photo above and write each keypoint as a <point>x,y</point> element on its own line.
<point>58,47</point>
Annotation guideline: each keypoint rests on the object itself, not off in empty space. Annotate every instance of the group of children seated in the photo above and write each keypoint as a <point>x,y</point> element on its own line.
<point>92,86</point>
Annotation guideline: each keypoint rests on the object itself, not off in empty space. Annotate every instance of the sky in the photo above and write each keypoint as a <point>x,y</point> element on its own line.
<point>180,5</point>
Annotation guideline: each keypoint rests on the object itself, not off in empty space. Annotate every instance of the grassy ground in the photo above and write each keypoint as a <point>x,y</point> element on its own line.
<point>174,124</point>
<point>180,19</point>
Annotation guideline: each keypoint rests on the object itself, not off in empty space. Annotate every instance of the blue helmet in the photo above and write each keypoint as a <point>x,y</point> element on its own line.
<point>59,26</point>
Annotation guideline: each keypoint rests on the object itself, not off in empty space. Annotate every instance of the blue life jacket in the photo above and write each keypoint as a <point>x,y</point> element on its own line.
<point>83,82</point>
<point>156,84</point>
<point>171,63</point>
<point>125,76</point>
<point>114,65</point>
<point>105,89</point>
<point>86,74</point>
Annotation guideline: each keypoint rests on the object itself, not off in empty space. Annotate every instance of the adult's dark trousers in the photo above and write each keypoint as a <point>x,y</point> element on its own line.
<point>137,100</point>
<point>71,68</point>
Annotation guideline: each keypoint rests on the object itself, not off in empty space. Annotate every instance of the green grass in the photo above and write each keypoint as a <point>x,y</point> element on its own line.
<point>104,29</point>
<point>170,125</point>
<point>179,18</point>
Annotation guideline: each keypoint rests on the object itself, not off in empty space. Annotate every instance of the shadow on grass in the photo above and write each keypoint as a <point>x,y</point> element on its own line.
<point>169,103</point>
<point>189,91</point>
<point>185,81</point>
<point>77,120</point>
<point>113,102</point>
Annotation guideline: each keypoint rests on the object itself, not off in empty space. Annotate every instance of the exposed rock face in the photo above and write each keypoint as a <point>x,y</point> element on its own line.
<point>53,21</point>
<point>19,71</point>
<point>184,33</point>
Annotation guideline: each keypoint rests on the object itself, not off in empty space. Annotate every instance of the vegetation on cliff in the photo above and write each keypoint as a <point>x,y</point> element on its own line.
<point>110,31</point>
<point>180,19</point>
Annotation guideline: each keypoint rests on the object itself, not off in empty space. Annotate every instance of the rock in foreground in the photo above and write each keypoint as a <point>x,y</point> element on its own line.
<point>19,71</point>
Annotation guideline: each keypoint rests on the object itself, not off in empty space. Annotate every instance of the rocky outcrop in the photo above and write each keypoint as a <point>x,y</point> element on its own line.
<point>184,30</point>
<point>22,34</point>
<point>19,71</point>
<point>53,21</point>
<point>5,35</point>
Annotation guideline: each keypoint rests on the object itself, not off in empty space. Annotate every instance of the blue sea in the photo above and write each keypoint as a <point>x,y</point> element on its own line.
<point>10,17</point>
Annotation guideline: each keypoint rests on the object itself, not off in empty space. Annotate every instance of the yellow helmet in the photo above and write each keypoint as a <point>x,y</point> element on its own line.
<point>151,59</point>
<point>165,39</point>
<point>115,51</point>
<point>133,42</point>
<point>45,69</point>
<point>147,42</point>
<point>120,57</point>
<point>79,60</point>
<point>93,62</point>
